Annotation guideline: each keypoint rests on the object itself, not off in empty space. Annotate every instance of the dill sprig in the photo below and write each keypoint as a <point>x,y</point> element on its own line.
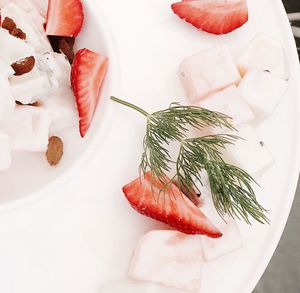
<point>231,187</point>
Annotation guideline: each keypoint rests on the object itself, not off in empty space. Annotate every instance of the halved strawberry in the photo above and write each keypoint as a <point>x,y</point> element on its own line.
<point>64,18</point>
<point>87,75</point>
<point>170,207</point>
<point>213,16</point>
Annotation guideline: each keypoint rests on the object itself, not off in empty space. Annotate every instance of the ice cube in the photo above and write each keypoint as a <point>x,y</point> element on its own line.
<point>28,129</point>
<point>207,72</point>
<point>168,258</point>
<point>62,110</point>
<point>5,151</point>
<point>229,242</point>
<point>262,90</point>
<point>5,68</point>
<point>13,49</point>
<point>249,153</point>
<point>229,102</point>
<point>7,103</point>
<point>136,287</point>
<point>35,34</point>
<point>265,53</point>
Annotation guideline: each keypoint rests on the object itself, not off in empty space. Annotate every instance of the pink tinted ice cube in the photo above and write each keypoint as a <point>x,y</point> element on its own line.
<point>207,72</point>
<point>228,243</point>
<point>229,102</point>
<point>262,90</point>
<point>249,153</point>
<point>168,258</point>
<point>28,129</point>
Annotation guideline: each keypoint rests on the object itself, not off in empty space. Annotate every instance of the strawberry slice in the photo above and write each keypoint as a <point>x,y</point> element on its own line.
<point>170,207</point>
<point>213,16</point>
<point>64,18</point>
<point>87,75</point>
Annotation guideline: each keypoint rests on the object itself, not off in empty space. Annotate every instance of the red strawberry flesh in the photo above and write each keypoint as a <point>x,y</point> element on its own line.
<point>64,18</point>
<point>213,16</point>
<point>170,207</point>
<point>87,75</point>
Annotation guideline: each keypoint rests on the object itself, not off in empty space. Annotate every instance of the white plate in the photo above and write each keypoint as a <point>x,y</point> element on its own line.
<point>94,231</point>
<point>152,42</point>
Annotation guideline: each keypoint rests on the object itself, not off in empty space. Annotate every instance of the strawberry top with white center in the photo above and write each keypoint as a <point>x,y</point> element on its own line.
<point>170,206</point>
<point>207,72</point>
<point>64,18</point>
<point>213,16</point>
<point>87,75</point>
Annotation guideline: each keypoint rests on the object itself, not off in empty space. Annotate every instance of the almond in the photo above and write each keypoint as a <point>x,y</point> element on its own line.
<point>55,150</point>
<point>9,24</point>
<point>23,66</point>
<point>18,33</point>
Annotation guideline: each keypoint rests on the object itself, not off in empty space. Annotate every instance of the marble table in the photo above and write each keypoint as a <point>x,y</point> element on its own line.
<point>283,272</point>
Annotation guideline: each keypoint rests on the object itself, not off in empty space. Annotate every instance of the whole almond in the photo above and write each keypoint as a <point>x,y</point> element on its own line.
<point>55,150</point>
<point>23,66</point>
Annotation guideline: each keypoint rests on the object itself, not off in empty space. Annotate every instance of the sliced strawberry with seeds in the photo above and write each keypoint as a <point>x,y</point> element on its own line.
<point>87,75</point>
<point>64,18</point>
<point>170,207</point>
<point>213,16</point>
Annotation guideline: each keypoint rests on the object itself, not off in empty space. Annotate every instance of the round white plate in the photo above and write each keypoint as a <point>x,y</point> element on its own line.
<point>85,235</point>
<point>151,43</point>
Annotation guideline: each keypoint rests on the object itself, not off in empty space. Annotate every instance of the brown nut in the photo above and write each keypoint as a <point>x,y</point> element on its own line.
<point>9,24</point>
<point>55,150</point>
<point>23,66</point>
<point>18,33</point>
<point>35,104</point>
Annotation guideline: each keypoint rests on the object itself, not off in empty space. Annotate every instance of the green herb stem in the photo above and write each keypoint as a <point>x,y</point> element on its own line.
<point>129,105</point>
